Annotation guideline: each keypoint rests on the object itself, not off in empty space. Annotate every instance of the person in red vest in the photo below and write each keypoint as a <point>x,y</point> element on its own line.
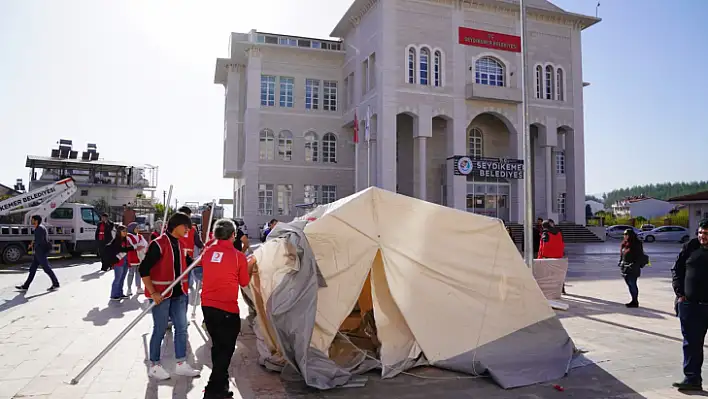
<point>552,245</point>
<point>104,235</point>
<point>226,269</point>
<point>156,230</point>
<point>163,263</point>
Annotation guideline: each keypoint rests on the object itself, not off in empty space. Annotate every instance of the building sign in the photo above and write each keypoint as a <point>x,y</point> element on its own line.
<point>499,168</point>
<point>491,40</point>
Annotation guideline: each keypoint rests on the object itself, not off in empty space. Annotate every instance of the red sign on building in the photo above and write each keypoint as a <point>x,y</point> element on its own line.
<point>491,40</point>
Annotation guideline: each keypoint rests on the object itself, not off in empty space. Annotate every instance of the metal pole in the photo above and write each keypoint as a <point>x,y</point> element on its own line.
<point>132,324</point>
<point>528,186</point>
<point>199,282</point>
<point>167,207</point>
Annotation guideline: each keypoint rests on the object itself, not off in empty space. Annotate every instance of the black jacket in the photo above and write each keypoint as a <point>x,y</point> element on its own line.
<point>678,272</point>
<point>108,236</point>
<point>114,248</point>
<point>630,262</point>
<point>536,239</point>
<point>42,247</point>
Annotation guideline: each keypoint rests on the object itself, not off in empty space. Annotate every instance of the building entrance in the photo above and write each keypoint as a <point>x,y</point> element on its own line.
<point>489,199</point>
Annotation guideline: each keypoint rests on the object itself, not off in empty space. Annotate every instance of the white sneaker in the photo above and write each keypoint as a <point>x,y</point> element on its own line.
<point>140,291</point>
<point>186,370</point>
<point>129,293</point>
<point>158,372</point>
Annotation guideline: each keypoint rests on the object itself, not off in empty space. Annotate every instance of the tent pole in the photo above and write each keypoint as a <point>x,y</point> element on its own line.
<point>528,186</point>
<point>199,282</point>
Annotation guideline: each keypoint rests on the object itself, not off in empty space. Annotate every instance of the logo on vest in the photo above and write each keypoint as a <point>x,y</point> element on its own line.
<point>216,257</point>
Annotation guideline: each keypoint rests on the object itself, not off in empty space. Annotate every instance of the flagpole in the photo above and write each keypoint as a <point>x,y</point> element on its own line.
<point>357,186</point>
<point>368,146</point>
<point>528,186</point>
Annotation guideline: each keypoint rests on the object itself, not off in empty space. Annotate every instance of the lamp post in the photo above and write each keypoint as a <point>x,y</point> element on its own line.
<point>528,187</point>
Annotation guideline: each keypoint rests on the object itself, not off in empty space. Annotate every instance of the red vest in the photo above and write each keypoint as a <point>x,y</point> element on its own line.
<point>552,249</point>
<point>188,241</point>
<point>154,235</point>
<point>133,259</point>
<point>163,273</point>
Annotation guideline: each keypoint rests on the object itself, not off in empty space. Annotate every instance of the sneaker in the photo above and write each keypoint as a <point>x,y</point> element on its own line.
<point>21,288</point>
<point>53,288</point>
<point>124,296</point>
<point>686,385</point>
<point>158,372</point>
<point>140,291</point>
<point>129,293</point>
<point>632,305</point>
<point>186,370</point>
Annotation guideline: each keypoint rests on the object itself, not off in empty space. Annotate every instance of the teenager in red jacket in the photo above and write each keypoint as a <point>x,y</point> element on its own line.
<point>225,270</point>
<point>552,245</point>
<point>163,263</point>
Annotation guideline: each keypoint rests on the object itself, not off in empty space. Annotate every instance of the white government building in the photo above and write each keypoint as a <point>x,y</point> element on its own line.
<point>442,81</point>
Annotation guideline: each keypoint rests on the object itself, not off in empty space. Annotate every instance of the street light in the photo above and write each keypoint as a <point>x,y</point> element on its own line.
<point>528,187</point>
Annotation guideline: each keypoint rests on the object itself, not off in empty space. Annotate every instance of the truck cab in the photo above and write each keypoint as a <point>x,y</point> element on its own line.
<point>83,221</point>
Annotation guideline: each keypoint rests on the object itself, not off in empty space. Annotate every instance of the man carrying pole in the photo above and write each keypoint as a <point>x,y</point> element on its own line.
<point>164,262</point>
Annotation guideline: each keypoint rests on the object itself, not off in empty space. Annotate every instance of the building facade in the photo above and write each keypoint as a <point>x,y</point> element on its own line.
<point>645,207</point>
<point>438,84</point>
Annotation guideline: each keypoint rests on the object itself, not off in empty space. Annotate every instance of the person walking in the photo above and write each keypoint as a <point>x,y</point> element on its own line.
<point>551,245</point>
<point>41,247</point>
<point>116,254</point>
<point>690,284</point>
<point>104,235</point>
<point>225,270</point>
<point>156,230</point>
<point>163,263</point>
<point>138,242</point>
<point>632,260</point>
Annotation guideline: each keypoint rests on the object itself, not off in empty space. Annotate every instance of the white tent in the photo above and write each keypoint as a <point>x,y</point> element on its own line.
<point>447,288</point>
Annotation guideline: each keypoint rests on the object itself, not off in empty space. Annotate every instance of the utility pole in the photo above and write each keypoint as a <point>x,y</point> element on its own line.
<point>528,186</point>
<point>164,198</point>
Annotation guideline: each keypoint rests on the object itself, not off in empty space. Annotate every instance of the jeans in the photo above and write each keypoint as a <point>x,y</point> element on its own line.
<point>176,309</point>
<point>133,273</point>
<point>119,272</point>
<point>41,260</point>
<point>694,324</point>
<point>633,288</point>
<point>223,328</point>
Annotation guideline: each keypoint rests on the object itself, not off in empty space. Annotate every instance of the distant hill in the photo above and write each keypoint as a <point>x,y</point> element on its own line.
<point>661,191</point>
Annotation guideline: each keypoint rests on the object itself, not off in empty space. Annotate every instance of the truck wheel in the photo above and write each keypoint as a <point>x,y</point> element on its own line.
<point>12,254</point>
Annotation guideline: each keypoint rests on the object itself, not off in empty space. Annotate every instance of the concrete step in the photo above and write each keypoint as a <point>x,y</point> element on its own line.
<point>572,233</point>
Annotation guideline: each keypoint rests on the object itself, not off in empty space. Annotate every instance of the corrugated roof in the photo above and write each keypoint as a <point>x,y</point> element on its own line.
<point>700,196</point>
<point>49,162</point>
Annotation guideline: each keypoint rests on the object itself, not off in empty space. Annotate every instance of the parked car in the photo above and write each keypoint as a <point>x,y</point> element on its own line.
<point>647,227</point>
<point>666,234</point>
<point>617,231</point>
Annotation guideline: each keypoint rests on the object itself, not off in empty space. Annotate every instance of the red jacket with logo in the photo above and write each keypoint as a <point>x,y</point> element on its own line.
<point>163,273</point>
<point>225,270</point>
<point>133,258</point>
<point>552,245</point>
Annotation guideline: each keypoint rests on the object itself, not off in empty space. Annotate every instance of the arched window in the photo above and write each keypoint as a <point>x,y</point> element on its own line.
<point>424,66</point>
<point>329,148</point>
<point>266,146</point>
<point>559,84</point>
<point>312,147</point>
<point>549,82</point>
<point>437,69</point>
<point>539,81</point>
<point>411,65</point>
<point>489,71</point>
<point>475,142</point>
<point>285,145</point>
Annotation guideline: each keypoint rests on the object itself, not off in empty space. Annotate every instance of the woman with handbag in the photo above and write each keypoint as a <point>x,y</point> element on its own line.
<point>632,260</point>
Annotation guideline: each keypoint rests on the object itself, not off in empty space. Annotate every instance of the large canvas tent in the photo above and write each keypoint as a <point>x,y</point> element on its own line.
<point>445,288</point>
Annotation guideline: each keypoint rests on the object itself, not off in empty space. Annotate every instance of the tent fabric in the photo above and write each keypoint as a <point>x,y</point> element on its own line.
<point>448,288</point>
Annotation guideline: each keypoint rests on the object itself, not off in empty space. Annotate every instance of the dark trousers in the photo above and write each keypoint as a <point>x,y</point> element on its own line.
<point>101,249</point>
<point>633,287</point>
<point>694,324</point>
<point>223,328</point>
<point>41,260</point>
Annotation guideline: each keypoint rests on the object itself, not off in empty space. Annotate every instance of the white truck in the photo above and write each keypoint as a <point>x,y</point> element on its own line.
<point>71,227</point>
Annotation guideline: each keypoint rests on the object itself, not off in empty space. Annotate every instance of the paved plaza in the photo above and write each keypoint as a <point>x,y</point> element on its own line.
<point>46,338</point>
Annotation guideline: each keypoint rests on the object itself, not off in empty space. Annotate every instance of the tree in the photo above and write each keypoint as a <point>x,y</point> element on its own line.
<point>662,191</point>
<point>160,211</point>
<point>101,205</point>
<point>593,198</point>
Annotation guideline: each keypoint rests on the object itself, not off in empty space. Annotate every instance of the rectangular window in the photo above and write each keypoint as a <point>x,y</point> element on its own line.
<point>312,94</point>
<point>365,77</point>
<point>330,95</point>
<point>286,41</point>
<point>285,199</point>
<point>271,39</point>
<point>84,193</point>
<point>265,199</point>
<point>285,146</point>
<point>286,91</point>
<point>372,71</point>
<point>560,162</point>
<point>549,83</point>
<point>90,216</point>
<point>561,204</point>
<point>62,213</point>
<point>311,191</point>
<point>329,194</point>
<point>267,91</point>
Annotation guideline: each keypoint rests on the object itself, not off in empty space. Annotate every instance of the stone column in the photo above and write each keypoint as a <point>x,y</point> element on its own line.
<point>251,129</point>
<point>424,129</point>
<point>549,176</point>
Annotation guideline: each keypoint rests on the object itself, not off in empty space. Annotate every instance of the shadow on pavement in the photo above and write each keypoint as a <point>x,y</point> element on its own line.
<point>92,276</point>
<point>19,299</point>
<point>181,386</point>
<point>114,310</point>
<point>587,305</point>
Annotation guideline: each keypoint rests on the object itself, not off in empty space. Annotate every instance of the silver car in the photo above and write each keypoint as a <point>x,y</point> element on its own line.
<point>617,231</point>
<point>666,234</point>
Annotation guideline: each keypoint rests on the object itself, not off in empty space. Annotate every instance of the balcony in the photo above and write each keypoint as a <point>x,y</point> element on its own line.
<point>474,91</point>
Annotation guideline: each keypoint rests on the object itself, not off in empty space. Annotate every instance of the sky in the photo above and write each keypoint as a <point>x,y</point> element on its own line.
<point>136,78</point>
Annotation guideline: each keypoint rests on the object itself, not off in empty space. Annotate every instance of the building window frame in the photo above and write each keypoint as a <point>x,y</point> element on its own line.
<point>548,82</point>
<point>287,89</point>
<point>560,162</point>
<point>561,203</point>
<point>329,148</point>
<point>265,199</point>
<point>311,194</point>
<point>560,84</point>
<point>412,60</point>
<point>268,90</point>
<point>539,82</point>
<point>285,199</point>
<point>285,145</point>
<point>266,145</point>
<point>490,71</point>
<point>475,142</point>
<point>312,147</point>
<point>329,95</point>
<point>437,68</point>
<point>424,66</point>
<point>312,94</point>
<point>329,193</point>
